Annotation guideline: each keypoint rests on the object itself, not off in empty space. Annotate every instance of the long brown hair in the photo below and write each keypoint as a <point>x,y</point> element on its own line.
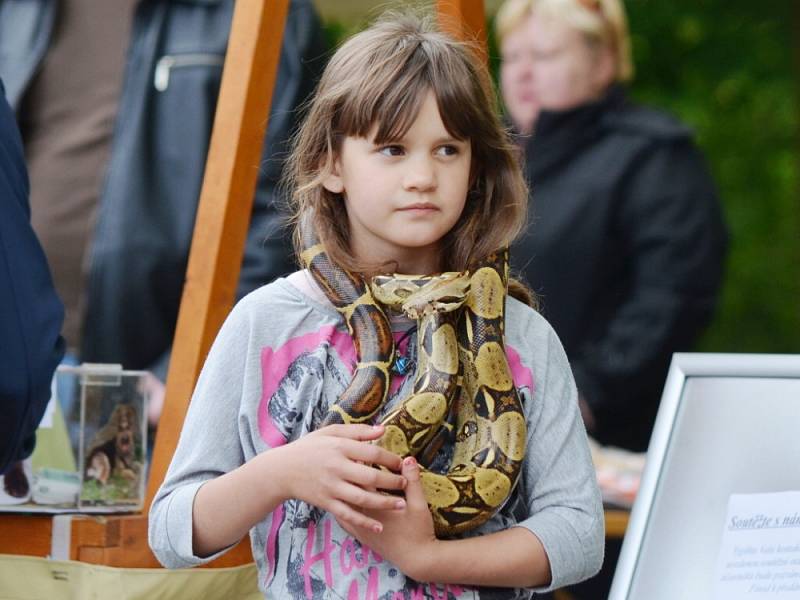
<point>379,77</point>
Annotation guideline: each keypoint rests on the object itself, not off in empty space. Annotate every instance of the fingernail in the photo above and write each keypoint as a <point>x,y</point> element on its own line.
<point>377,528</point>
<point>400,504</point>
<point>378,426</point>
<point>409,461</point>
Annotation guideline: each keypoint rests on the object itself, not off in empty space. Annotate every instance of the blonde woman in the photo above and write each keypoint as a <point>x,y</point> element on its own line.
<point>626,242</point>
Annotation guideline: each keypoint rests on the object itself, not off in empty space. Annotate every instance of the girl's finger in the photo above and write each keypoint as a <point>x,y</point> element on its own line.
<point>415,494</point>
<point>371,454</point>
<point>349,515</point>
<point>371,478</point>
<point>361,498</point>
<point>355,432</point>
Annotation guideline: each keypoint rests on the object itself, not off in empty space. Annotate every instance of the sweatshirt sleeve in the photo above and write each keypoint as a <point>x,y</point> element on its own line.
<point>564,503</point>
<point>209,444</point>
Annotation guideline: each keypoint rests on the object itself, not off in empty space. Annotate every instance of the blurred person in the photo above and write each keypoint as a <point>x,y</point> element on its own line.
<point>30,315</point>
<point>626,243</point>
<point>116,101</point>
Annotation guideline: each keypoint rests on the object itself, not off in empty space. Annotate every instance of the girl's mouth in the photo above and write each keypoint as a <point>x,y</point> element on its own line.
<point>420,206</point>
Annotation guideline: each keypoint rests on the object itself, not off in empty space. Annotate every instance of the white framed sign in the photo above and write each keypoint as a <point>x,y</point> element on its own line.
<point>727,436</point>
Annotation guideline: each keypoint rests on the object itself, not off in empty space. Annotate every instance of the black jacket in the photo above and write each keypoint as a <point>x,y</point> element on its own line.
<point>152,180</point>
<point>625,248</point>
<point>30,312</point>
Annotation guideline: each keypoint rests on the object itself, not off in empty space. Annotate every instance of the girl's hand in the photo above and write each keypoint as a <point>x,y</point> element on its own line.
<point>408,537</point>
<point>331,468</point>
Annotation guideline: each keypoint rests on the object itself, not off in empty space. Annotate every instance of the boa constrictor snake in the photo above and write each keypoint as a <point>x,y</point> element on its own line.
<point>463,390</point>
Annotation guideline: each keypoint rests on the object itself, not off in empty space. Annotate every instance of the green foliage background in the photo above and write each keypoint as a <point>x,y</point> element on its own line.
<point>726,68</point>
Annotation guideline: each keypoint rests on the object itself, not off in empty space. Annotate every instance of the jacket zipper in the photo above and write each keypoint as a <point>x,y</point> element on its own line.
<point>170,61</point>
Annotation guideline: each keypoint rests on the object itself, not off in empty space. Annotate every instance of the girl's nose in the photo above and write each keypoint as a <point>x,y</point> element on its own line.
<point>421,175</point>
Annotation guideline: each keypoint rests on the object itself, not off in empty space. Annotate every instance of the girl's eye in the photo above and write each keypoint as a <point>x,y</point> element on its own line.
<point>391,150</point>
<point>447,150</point>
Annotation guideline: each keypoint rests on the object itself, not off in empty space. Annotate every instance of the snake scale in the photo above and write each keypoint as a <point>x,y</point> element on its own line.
<point>463,391</point>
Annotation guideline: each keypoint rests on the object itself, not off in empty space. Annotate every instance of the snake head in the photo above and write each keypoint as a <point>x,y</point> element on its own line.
<point>422,296</point>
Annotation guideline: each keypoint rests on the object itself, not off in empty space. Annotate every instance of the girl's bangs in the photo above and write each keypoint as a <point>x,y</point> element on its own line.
<point>459,98</point>
<point>392,102</point>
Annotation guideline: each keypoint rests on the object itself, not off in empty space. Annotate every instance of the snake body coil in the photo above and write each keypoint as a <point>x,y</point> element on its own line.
<point>463,391</point>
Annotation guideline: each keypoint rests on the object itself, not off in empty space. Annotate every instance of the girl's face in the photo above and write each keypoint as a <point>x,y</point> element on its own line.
<point>547,65</point>
<point>403,197</point>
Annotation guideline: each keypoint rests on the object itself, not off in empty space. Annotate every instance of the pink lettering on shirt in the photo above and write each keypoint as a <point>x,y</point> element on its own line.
<point>324,555</point>
<point>354,560</point>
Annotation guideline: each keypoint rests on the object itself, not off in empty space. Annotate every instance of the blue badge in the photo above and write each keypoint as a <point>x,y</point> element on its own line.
<point>402,365</point>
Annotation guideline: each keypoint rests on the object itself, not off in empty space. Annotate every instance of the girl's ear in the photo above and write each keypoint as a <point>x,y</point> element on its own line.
<point>333,181</point>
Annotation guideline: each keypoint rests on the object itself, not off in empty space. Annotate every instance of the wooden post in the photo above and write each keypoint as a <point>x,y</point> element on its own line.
<point>464,19</point>
<point>223,218</point>
<point>223,215</point>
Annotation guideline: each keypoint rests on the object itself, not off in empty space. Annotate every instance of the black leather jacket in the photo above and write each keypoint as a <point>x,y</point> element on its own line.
<point>625,248</point>
<point>150,190</point>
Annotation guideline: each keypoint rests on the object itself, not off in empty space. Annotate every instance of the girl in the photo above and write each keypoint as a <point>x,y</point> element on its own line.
<point>401,165</point>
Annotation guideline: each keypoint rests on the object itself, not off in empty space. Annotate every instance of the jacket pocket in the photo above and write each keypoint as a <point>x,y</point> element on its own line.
<point>181,110</point>
<point>168,62</point>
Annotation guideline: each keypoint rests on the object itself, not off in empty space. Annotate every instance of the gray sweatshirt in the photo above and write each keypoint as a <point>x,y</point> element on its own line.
<point>280,360</point>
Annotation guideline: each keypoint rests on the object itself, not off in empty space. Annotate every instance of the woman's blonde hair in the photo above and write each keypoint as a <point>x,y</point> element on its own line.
<point>379,78</point>
<point>602,22</point>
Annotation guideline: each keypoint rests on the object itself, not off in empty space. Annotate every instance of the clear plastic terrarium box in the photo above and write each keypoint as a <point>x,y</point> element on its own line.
<point>91,445</point>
